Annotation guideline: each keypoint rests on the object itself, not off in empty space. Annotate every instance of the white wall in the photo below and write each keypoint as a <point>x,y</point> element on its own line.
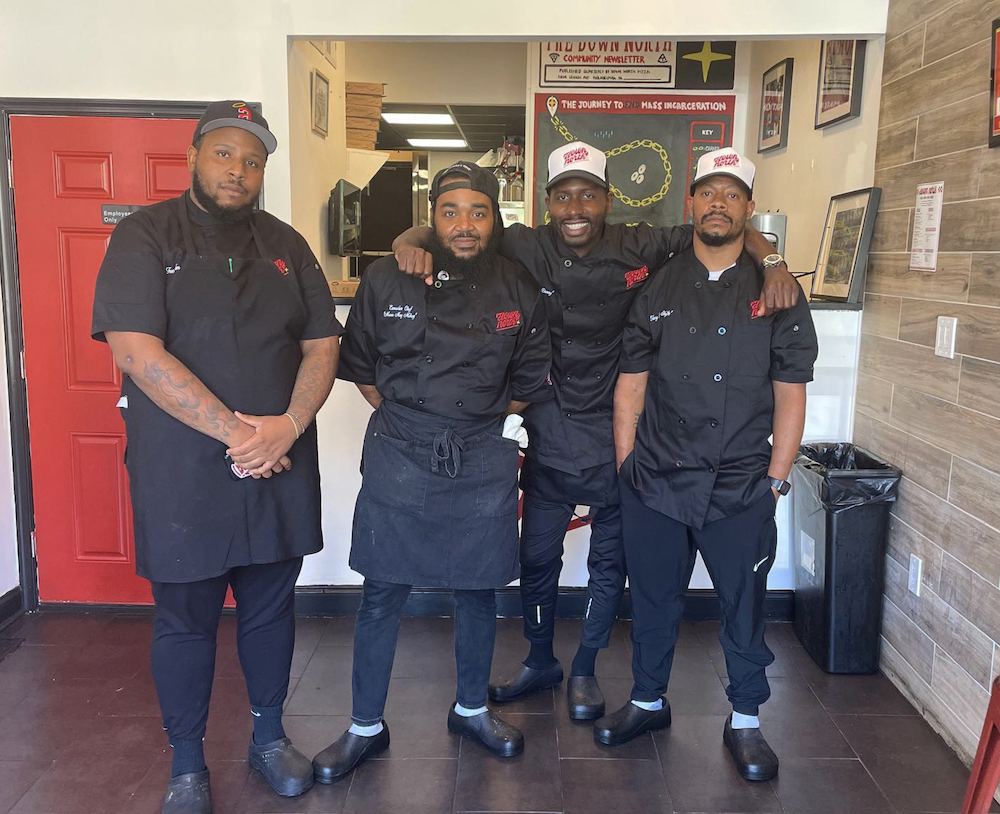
<point>316,162</point>
<point>9,577</point>
<point>817,164</point>
<point>438,160</point>
<point>202,51</point>
<point>480,73</point>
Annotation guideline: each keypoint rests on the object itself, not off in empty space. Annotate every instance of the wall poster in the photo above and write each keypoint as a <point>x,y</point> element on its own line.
<point>653,64</point>
<point>841,71</point>
<point>652,141</point>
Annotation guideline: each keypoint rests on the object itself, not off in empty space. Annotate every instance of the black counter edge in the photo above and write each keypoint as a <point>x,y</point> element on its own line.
<point>11,605</point>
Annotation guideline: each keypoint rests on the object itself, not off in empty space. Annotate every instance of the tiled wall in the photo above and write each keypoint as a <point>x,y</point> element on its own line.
<point>939,419</point>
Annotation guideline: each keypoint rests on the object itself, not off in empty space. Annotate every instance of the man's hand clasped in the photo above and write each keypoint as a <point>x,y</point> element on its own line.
<point>262,448</point>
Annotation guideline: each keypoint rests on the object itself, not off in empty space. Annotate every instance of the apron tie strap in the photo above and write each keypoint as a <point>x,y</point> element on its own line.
<point>447,449</point>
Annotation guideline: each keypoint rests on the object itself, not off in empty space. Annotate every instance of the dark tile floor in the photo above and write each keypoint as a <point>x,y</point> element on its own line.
<point>79,732</point>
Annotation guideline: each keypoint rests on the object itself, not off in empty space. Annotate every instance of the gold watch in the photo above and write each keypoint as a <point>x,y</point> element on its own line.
<point>772,260</point>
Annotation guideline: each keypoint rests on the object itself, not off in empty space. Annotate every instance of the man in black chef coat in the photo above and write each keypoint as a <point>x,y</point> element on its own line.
<point>441,364</point>
<point>222,323</point>
<point>590,271</point>
<point>705,379</point>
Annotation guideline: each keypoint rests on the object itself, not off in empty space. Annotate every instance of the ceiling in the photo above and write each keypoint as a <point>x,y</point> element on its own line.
<point>482,126</point>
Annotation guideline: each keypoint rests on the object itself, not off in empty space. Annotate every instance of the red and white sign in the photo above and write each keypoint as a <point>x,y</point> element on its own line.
<point>927,227</point>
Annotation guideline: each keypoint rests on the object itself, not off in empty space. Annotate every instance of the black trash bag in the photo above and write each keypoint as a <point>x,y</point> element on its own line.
<point>848,476</point>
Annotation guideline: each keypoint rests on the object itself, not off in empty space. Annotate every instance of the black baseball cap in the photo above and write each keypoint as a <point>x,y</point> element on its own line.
<point>470,176</point>
<point>234,113</point>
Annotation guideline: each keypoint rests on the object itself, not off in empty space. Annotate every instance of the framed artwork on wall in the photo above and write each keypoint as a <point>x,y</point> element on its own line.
<point>994,92</point>
<point>320,103</point>
<point>775,103</point>
<point>843,248</point>
<point>841,75</point>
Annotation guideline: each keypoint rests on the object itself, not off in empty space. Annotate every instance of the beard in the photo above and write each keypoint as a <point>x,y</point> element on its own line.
<point>227,215</point>
<point>717,239</point>
<point>473,268</point>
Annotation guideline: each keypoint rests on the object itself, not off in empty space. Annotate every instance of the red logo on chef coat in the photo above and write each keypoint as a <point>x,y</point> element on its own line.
<point>755,309</point>
<point>636,276</point>
<point>508,319</point>
<point>281,267</point>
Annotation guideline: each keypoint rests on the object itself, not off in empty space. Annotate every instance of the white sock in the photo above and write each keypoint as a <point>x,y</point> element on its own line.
<point>741,721</point>
<point>649,706</point>
<point>465,712</point>
<point>366,731</point>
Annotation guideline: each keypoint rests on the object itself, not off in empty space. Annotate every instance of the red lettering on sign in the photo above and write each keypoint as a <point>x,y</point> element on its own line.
<point>636,276</point>
<point>508,319</point>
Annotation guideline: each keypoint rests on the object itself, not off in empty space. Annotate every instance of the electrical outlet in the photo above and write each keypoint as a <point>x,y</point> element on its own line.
<point>944,345</point>
<point>916,572</point>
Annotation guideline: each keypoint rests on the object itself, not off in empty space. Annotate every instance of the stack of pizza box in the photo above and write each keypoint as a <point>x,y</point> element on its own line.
<point>364,112</point>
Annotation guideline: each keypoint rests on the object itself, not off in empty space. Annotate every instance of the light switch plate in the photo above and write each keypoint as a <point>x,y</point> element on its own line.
<point>944,345</point>
<point>916,572</point>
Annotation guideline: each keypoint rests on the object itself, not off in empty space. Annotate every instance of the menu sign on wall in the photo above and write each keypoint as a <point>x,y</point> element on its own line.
<point>927,227</point>
<point>657,64</point>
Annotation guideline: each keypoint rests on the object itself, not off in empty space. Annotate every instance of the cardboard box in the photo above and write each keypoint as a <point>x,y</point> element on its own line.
<point>343,288</point>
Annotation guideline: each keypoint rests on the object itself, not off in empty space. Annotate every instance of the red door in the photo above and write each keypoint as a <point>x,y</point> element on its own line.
<point>65,171</point>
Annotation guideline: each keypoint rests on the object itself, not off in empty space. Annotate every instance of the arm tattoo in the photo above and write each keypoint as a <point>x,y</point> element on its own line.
<point>313,383</point>
<point>635,423</point>
<point>179,393</point>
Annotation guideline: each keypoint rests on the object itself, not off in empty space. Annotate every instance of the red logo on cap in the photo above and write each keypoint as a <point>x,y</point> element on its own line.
<point>636,276</point>
<point>574,155</point>
<point>244,113</point>
<point>730,160</point>
<point>508,319</point>
<point>281,266</point>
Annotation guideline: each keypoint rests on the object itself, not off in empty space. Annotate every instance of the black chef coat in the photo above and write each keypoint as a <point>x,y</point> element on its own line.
<point>701,450</point>
<point>438,501</point>
<point>587,300</point>
<point>454,349</point>
<point>232,303</point>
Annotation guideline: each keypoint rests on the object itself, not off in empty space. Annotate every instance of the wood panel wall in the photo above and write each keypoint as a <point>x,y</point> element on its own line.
<point>939,419</point>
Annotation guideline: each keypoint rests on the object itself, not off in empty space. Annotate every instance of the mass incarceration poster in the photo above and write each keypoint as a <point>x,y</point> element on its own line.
<point>652,141</point>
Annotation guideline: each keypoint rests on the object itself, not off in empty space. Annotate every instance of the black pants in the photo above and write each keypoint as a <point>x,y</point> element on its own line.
<point>184,632</point>
<point>738,552</point>
<point>375,633</point>
<point>543,527</point>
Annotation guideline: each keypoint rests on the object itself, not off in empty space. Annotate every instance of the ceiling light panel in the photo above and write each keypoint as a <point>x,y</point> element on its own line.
<point>418,118</point>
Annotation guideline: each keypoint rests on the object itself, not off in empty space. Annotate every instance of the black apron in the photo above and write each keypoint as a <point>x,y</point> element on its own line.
<point>438,502</point>
<point>237,331</point>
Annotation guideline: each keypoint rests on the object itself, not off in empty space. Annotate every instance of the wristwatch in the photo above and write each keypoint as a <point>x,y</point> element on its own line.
<point>772,260</point>
<point>780,486</point>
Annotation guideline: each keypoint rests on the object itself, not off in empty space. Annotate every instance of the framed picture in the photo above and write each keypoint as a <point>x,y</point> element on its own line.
<point>775,103</point>
<point>843,248</point>
<point>994,93</point>
<point>320,103</point>
<point>841,75</point>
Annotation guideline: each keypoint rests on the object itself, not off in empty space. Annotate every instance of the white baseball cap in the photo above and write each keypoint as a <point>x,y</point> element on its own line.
<point>725,162</point>
<point>577,160</point>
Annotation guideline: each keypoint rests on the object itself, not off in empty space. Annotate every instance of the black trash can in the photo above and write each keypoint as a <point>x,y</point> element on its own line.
<point>840,512</point>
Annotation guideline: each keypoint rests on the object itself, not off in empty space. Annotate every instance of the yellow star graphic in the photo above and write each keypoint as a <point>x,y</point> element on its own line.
<point>706,56</point>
